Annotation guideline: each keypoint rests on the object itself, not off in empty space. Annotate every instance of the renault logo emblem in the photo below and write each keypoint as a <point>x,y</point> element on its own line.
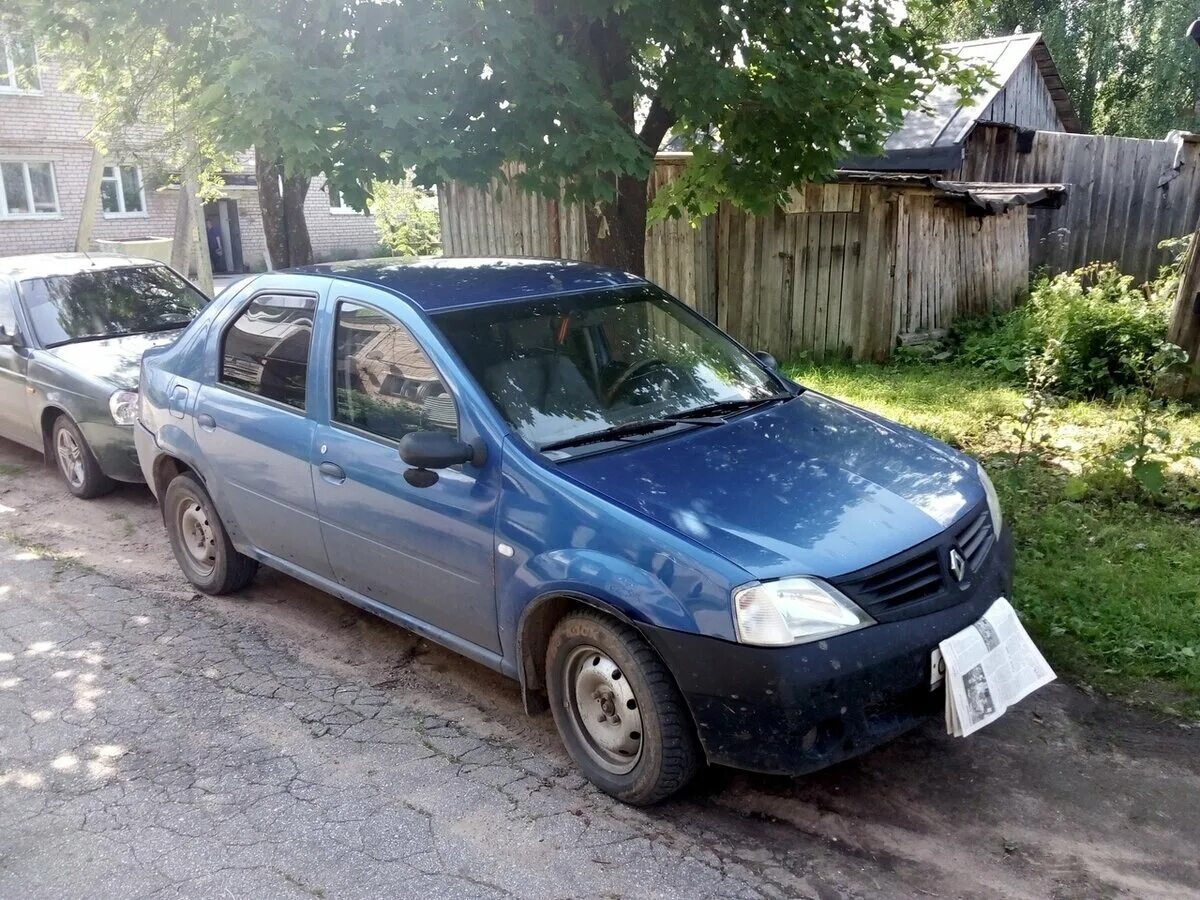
<point>958,565</point>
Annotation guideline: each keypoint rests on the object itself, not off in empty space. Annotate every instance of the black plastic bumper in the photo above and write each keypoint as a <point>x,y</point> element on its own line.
<point>791,710</point>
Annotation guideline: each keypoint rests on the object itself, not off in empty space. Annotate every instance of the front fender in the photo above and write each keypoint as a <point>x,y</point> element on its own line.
<point>633,593</point>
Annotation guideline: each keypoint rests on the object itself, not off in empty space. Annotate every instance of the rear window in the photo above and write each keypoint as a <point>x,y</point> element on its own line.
<point>265,351</point>
<point>88,306</point>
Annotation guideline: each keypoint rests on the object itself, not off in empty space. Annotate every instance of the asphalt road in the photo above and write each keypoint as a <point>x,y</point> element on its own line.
<point>158,743</point>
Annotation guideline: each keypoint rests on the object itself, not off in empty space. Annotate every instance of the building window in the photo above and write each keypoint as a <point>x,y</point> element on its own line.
<point>18,66</point>
<point>338,204</point>
<point>122,192</point>
<point>27,189</point>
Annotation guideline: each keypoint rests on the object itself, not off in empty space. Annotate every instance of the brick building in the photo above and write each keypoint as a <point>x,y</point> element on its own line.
<point>46,158</point>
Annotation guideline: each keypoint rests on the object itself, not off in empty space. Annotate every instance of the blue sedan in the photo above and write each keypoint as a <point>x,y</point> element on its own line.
<point>561,472</point>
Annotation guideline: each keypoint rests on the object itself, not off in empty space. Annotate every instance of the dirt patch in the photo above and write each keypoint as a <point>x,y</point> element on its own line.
<point>1068,796</point>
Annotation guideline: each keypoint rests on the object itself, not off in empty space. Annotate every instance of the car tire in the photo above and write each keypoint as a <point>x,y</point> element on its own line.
<point>199,540</point>
<point>75,461</point>
<point>618,710</point>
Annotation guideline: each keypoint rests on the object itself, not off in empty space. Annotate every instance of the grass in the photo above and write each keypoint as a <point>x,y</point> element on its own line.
<point>1108,577</point>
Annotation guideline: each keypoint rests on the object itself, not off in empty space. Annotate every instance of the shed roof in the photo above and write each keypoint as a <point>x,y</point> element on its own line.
<point>932,136</point>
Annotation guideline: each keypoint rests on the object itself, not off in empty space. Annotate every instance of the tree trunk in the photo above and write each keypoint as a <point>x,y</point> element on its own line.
<point>1185,317</point>
<point>281,201</point>
<point>616,231</point>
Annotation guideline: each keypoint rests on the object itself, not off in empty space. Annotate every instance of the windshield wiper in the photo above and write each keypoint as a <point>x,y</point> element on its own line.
<point>629,429</point>
<point>90,337</point>
<point>729,406</point>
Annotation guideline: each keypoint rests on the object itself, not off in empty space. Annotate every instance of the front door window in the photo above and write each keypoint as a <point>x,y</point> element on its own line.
<point>384,383</point>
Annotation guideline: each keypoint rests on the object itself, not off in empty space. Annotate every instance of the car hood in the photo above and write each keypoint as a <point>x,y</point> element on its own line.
<point>117,360</point>
<point>810,486</point>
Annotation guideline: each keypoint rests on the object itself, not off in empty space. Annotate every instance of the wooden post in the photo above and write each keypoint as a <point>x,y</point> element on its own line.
<point>181,247</point>
<point>191,187</point>
<point>91,204</point>
<point>1185,317</point>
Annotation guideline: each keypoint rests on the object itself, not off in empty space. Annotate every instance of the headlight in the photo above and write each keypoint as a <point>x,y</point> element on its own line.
<point>993,501</point>
<point>793,611</point>
<point>123,405</point>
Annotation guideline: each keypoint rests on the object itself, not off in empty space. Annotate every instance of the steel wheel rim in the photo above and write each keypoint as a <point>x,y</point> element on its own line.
<point>605,713</point>
<point>70,457</point>
<point>196,535</point>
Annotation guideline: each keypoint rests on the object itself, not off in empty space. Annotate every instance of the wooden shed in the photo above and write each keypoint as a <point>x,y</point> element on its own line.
<point>849,268</point>
<point>1025,91</point>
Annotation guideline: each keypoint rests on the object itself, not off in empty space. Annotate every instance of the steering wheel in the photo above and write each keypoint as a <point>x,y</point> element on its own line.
<point>638,372</point>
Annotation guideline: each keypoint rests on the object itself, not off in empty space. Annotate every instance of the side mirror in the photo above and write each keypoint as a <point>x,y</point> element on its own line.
<point>6,339</point>
<point>767,360</point>
<point>427,450</point>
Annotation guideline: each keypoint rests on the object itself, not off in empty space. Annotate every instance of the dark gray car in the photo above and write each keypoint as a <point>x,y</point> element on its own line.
<point>73,327</point>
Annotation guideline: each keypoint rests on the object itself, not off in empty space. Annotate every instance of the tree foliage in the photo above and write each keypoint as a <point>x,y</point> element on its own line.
<point>1128,64</point>
<point>579,93</point>
<point>407,218</point>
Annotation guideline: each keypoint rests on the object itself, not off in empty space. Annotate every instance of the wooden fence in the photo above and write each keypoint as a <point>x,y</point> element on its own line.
<point>1125,195</point>
<point>846,270</point>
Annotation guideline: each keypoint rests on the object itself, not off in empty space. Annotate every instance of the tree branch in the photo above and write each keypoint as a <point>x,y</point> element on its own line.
<point>658,122</point>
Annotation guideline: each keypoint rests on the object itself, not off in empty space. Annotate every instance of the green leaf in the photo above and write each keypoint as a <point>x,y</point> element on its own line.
<point>1149,474</point>
<point>1076,488</point>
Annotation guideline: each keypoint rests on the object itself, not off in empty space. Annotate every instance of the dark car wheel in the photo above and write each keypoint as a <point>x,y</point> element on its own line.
<point>618,710</point>
<point>76,462</point>
<point>202,548</point>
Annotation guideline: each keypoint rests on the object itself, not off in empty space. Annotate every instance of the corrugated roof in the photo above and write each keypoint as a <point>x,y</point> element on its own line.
<point>932,136</point>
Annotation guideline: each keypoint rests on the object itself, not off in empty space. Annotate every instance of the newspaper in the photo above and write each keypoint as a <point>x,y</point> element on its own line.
<point>988,668</point>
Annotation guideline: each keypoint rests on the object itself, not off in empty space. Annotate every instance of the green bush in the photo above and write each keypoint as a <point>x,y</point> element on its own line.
<point>1103,324</point>
<point>408,220</point>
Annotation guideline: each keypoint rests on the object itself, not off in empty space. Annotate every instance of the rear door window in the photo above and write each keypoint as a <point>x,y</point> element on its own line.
<point>265,350</point>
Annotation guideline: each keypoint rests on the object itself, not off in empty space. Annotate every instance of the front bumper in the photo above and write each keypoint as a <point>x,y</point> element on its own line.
<point>112,445</point>
<point>791,710</point>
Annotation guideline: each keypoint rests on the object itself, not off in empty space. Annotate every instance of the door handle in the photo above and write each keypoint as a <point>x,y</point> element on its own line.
<point>332,472</point>
<point>205,421</point>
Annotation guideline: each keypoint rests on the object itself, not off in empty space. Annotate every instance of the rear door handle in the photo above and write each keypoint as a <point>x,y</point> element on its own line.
<point>205,421</point>
<point>332,472</point>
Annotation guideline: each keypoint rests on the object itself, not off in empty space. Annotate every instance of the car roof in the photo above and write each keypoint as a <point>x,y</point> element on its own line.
<point>44,265</point>
<point>436,284</point>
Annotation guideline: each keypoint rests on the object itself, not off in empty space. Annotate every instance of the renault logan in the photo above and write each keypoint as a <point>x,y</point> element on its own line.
<point>568,476</point>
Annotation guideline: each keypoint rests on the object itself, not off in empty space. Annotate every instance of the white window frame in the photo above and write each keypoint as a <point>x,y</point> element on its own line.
<point>340,208</point>
<point>32,214</point>
<point>121,212</point>
<point>8,71</point>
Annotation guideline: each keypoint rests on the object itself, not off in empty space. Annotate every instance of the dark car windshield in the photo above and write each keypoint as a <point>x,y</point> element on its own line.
<point>564,367</point>
<point>107,303</point>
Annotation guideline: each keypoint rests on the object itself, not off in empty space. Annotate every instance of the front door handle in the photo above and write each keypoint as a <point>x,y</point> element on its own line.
<point>332,472</point>
<point>205,421</point>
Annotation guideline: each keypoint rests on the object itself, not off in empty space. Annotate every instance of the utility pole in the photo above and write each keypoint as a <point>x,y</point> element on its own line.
<point>1185,316</point>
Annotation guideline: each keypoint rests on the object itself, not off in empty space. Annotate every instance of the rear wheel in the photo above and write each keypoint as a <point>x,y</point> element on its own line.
<point>618,710</point>
<point>198,538</point>
<point>76,463</point>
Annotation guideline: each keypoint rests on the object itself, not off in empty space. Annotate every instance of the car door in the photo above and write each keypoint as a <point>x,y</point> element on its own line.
<point>16,422</point>
<point>425,551</point>
<point>252,424</point>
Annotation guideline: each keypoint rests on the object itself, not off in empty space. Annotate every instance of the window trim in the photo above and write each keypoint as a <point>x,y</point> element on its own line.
<point>121,213</point>
<point>341,209</point>
<point>335,422</point>
<point>8,82</point>
<point>24,163</point>
<point>224,334</point>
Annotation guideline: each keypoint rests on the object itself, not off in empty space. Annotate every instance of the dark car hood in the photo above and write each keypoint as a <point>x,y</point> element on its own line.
<point>117,360</point>
<point>810,486</point>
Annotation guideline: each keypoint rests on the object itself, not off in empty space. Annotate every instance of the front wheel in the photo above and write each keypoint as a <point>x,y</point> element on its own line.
<point>198,538</point>
<point>76,462</point>
<point>618,710</point>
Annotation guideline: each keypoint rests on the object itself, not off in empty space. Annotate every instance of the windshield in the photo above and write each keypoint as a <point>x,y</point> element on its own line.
<point>569,366</point>
<point>107,303</point>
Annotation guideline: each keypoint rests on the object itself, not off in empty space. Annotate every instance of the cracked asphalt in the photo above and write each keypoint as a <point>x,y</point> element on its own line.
<point>154,742</point>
